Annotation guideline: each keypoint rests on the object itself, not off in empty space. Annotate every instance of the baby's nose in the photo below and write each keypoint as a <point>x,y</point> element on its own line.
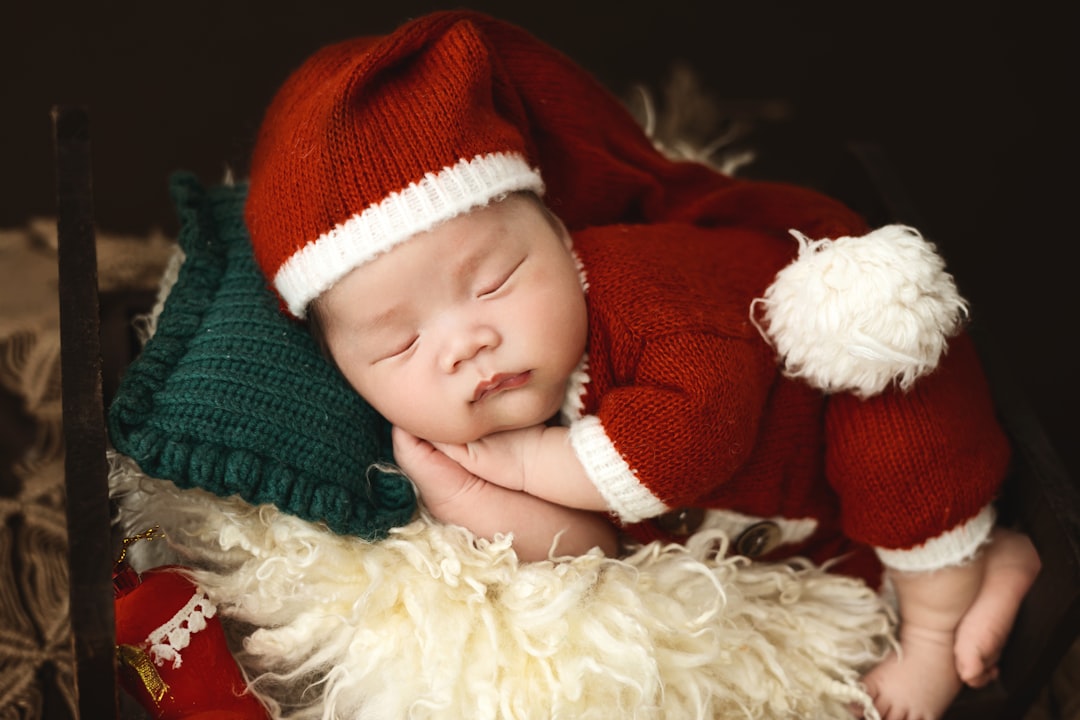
<point>466,342</point>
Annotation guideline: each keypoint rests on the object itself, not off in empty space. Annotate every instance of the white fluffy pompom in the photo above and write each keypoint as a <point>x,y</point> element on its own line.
<point>858,314</point>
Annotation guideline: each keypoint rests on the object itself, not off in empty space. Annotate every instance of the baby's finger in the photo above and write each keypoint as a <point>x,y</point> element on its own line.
<point>460,454</point>
<point>403,439</point>
<point>409,449</point>
<point>436,476</point>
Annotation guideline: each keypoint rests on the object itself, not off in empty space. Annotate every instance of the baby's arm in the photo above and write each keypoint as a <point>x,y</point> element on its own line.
<point>457,496</point>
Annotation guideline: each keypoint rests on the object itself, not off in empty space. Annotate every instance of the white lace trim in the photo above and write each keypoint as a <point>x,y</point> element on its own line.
<point>168,640</point>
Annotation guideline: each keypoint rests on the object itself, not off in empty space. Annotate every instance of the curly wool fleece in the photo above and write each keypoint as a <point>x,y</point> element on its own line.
<point>432,623</point>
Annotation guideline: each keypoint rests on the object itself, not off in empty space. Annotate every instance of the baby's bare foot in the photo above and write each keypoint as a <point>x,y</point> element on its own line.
<point>921,682</point>
<point>1011,567</point>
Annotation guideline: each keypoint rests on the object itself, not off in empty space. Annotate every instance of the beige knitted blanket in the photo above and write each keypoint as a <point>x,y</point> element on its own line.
<point>36,664</point>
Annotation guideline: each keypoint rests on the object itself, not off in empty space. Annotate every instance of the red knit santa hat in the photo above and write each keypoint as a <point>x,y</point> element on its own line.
<point>373,141</point>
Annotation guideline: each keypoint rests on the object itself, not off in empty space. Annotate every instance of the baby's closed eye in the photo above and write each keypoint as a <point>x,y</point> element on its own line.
<point>399,349</point>
<point>500,281</point>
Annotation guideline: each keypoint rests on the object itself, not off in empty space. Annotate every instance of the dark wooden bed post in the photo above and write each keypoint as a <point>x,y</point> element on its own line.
<point>86,474</point>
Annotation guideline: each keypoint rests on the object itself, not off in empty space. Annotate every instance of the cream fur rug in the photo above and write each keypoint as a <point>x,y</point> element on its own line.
<point>432,623</point>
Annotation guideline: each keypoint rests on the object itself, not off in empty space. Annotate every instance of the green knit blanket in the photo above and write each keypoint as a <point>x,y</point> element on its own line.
<point>231,396</point>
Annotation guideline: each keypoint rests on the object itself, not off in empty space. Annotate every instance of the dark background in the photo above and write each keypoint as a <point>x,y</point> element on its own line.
<point>973,104</point>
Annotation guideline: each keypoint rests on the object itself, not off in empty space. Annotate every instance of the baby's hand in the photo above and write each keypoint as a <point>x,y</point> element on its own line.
<point>537,460</point>
<point>506,458</point>
<point>440,480</point>
<point>458,496</point>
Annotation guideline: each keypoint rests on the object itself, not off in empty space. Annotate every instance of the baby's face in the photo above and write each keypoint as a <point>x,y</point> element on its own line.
<point>468,329</point>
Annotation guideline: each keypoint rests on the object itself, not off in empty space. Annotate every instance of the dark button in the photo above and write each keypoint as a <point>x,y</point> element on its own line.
<point>758,539</point>
<point>681,521</point>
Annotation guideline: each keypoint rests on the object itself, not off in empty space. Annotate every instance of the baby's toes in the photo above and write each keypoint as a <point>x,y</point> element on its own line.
<point>974,667</point>
<point>977,674</point>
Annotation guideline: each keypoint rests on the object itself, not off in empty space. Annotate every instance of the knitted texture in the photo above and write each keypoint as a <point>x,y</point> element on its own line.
<point>685,408</point>
<point>231,396</point>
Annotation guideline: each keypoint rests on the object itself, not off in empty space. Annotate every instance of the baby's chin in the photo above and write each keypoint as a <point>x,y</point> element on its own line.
<point>522,411</point>
<point>463,436</point>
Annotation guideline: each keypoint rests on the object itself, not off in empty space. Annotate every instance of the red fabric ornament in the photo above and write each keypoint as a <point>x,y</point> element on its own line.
<point>172,652</point>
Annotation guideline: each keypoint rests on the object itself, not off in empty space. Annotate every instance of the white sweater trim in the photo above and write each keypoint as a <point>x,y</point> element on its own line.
<point>615,480</point>
<point>952,547</point>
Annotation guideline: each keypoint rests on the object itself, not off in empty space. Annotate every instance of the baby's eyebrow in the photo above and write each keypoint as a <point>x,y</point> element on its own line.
<point>468,265</point>
<point>382,319</point>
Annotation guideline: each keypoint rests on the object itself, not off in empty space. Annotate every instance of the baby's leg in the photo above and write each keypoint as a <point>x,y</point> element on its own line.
<point>921,681</point>
<point>1011,566</point>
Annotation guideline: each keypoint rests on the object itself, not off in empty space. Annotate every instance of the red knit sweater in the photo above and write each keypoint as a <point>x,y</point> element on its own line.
<point>690,396</point>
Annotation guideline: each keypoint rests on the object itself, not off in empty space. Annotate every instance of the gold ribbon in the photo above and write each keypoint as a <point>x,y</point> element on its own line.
<point>143,667</point>
<point>151,534</point>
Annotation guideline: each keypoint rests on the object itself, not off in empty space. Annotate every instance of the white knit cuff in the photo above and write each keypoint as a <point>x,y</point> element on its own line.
<point>952,547</point>
<point>615,480</point>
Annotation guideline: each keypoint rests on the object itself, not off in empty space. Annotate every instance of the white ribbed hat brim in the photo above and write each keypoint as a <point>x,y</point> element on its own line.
<point>439,196</point>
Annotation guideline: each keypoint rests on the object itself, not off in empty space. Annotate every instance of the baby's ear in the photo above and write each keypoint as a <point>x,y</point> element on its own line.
<point>564,234</point>
<point>554,221</point>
